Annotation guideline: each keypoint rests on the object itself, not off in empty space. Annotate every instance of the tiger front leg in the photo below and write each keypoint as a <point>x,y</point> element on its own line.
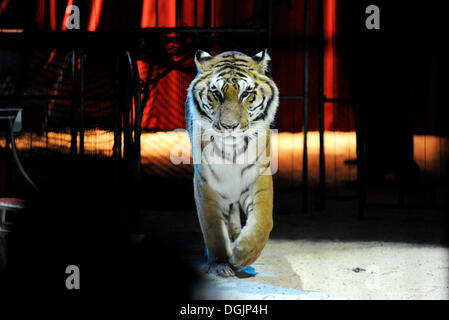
<point>214,229</point>
<point>234,225</point>
<point>254,235</point>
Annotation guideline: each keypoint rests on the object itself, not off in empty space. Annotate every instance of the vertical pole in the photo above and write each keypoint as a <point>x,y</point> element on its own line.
<point>156,4</point>
<point>196,12</point>
<point>215,13</point>
<point>125,115</point>
<point>117,123</point>
<point>76,86</point>
<point>322,183</point>
<point>305,165</point>
<point>234,13</point>
<point>270,25</point>
<point>176,13</point>
<point>81,100</point>
<point>361,140</point>
<point>137,118</point>
<point>137,147</point>
<point>75,89</point>
<point>359,108</point>
<point>253,13</point>
<point>137,129</point>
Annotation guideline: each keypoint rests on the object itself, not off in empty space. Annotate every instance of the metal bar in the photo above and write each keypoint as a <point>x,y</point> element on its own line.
<point>138,127</point>
<point>117,149</point>
<point>361,142</point>
<point>215,13</point>
<point>27,51</point>
<point>196,12</point>
<point>156,4</point>
<point>135,147</point>
<point>37,97</point>
<point>297,97</point>
<point>207,13</point>
<point>81,100</point>
<point>192,30</point>
<point>117,131</point>
<point>305,164</point>
<point>16,156</point>
<point>100,38</point>
<point>234,12</point>
<point>137,124</point>
<point>325,99</point>
<point>270,24</point>
<point>253,12</point>
<point>386,99</point>
<point>126,119</point>
<point>321,99</point>
<point>75,89</point>
<point>369,99</point>
<point>50,96</point>
<point>203,30</point>
<point>176,12</point>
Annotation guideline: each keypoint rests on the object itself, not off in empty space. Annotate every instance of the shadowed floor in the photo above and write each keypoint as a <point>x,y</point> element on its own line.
<point>392,254</point>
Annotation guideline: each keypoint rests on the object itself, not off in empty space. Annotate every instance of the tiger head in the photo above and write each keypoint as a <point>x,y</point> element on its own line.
<point>232,92</point>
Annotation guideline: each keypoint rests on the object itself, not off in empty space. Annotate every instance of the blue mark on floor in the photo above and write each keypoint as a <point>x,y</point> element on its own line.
<point>248,270</point>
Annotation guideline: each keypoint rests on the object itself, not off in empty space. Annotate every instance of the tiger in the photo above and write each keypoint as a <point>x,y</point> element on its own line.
<point>230,106</point>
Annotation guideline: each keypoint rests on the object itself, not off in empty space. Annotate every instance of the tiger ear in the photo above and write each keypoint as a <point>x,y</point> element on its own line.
<point>262,59</point>
<point>201,60</point>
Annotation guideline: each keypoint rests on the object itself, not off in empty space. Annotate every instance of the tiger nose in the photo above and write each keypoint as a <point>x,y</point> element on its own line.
<point>230,126</point>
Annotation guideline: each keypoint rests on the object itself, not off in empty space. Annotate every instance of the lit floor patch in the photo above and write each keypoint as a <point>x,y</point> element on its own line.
<point>215,288</point>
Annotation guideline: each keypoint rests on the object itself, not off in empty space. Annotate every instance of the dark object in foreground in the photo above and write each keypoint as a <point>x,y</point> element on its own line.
<point>61,229</point>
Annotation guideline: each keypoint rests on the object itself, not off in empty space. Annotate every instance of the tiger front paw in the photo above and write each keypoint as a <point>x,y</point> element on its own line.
<point>222,269</point>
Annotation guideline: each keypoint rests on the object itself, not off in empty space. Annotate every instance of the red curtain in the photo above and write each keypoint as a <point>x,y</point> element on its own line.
<point>164,108</point>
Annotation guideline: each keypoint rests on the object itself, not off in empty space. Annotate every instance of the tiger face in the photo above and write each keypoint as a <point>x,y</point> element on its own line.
<point>232,93</point>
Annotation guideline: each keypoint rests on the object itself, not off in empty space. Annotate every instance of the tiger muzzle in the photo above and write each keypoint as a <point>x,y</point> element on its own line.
<point>230,116</point>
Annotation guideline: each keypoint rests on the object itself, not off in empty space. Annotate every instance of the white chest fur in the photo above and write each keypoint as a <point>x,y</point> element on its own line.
<point>230,165</point>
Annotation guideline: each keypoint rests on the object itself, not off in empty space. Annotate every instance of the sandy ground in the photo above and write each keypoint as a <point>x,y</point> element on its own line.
<point>301,270</point>
<point>392,254</point>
